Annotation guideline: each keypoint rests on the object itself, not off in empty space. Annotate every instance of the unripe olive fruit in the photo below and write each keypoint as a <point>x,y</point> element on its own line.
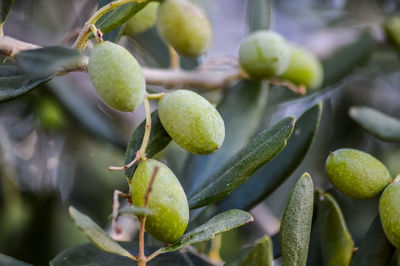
<point>167,201</point>
<point>356,173</point>
<point>117,76</point>
<point>143,20</point>
<point>191,121</point>
<point>389,211</point>
<point>264,54</point>
<point>184,26</point>
<point>304,68</point>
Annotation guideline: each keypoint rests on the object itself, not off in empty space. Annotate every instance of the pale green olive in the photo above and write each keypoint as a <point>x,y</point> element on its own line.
<point>117,76</point>
<point>167,201</point>
<point>357,174</point>
<point>184,26</point>
<point>389,211</point>
<point>143,20</point>
<point>191,121</point>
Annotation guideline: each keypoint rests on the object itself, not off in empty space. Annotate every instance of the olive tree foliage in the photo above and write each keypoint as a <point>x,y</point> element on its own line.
<point>281,136</point>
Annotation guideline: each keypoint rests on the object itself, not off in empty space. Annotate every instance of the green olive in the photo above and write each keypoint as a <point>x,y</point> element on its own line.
<point>389,211</point>
<point>167,201</point>
<point>264,54</point>
<point>117,76</point>
<point>304,68</point>
<point>356,173</point>
<point>143,20</point>
<point>191,121</point>
<point>184,26</point>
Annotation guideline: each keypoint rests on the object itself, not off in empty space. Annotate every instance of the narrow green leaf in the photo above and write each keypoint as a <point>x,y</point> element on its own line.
<point>258,15</point>
<point>375,248</point>
<point>336,243</point>
<point>258,254</point>
<point>5,8</point>
<point>13,83</point>
<point>135,210</point>
<point>119,16</point>
<point>9,261</point>
<point>296,223</point>
<point>380,125</point>
<point>245,100</point>
<point>223,222</point>
<point>340,63</point>
<point>97,235</point>
<point>159,139</point>
<point>243,164</point>
<point>272,175</point>
<point>88,254</point>
<point>48,61</point>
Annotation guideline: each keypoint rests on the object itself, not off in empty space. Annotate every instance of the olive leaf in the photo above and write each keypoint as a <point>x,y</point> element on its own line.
<point>89,254</point>
<point>258,14</point>
<point>14,83</point>
<point>97,235</point>
<point>258,254</point>
<point>5,8</point>
<point>243,164</point>
<point>135,210</point>
<point>380,125</point>
<point>296,223</point>
<point>244,100</point>
<point>223,222</point>
<point>270,176</point>
<point>119,16</point>
<point>9,261</point>
<point>375,249</point>
<point>159,139</point>
<point>336,243</point>
<point>341,62</point>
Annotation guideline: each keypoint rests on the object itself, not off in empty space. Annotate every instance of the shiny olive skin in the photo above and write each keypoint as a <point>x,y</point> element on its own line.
<point>389,211</point>
<point>117,76</point>
<point>191,121</point>
<point>184,26</point>
<point>357,174</point>
<point>264,54</point>
<point>167,201</point>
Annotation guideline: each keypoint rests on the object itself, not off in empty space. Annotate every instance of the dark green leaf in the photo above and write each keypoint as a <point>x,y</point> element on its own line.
<point>13,83</point>
<point>5,7</point>
<point>119,16</point>
<point>243,164</point>
<point>258,14</point>
<point>258,254</point>
<point>48,61</point>
<point>375,248</point>
<point>380,125</point>
<point>336,243</point>
<point>88,254</point>
<point>241,109</point>
<point>269,177</point>
<point>9,261</point>
<point>296,223</point>
<point>159,139</point>
<point>223,222</point>
<point>97,235</point>
<point>339,64</point>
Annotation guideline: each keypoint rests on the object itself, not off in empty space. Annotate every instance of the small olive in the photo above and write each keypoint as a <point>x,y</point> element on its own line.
<point>389,211</point>
<point>184,26</point>
<point>264,54</point>
<point>143,20</point>
<point>167,201</point>
<point>117,76</point>
<point>191,121</point>
<point>357,174</point>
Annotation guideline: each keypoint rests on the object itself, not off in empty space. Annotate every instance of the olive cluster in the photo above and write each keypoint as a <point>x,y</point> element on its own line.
<point>361,176</point>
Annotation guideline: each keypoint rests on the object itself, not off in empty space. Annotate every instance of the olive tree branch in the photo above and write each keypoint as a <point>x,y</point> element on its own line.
<point>81,41</point>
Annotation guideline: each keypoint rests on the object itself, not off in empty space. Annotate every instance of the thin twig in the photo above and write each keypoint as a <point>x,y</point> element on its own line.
<point>174,58</point>
<point>296,89</point>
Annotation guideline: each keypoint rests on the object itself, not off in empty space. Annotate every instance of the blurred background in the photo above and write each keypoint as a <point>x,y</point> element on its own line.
<point>57,142</point>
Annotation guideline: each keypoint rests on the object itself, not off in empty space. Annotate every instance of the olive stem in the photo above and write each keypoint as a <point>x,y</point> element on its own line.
<point>155,96</point>
<point>146,137</point>
<point>296,89</point>
<point>81,41</point>
<point>142,259</point>
<point>174,58</point>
